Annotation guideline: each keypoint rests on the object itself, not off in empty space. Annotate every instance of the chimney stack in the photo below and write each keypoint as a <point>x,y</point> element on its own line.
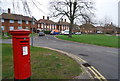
<point>62,19</point>
<point>65,20</point>
<point>9,10</point>
<point>43,17</point>
<point>47,17</point>
<point>111,23</point>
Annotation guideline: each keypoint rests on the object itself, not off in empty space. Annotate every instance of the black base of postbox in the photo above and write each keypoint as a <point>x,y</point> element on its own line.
<point>28,79</point>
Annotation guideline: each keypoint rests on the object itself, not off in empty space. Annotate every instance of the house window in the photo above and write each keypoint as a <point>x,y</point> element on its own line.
<point>2,20</point>
<point>19,27</point>
<point>27,22</point>
<point>33,22</point>
<point>27,28</point>
<point>20,21</point>
<point>11,21</point>
<point>2,27</point>
<point>38,25</point>
<point>11,27</point>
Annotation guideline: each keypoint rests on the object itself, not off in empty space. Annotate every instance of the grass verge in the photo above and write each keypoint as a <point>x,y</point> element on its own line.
<point>46,64</point>
<point>33,34</point>
<point>102,40</point>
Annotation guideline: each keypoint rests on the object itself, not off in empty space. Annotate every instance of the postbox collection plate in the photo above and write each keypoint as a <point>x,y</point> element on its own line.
<point>25,50</point>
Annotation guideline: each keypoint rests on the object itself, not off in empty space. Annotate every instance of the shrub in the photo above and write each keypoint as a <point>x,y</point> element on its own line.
<point>47,32</point>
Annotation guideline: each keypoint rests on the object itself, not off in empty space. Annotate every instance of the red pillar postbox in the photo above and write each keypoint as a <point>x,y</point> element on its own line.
<point>21,54</point>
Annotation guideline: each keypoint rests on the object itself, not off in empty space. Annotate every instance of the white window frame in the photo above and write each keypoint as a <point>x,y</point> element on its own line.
<point>11,27</point>
<point>55,27</point>
<point>42,25</point>
<point>38,25</point>
<point>2,20</point>
<point>3,27</point>
<point>33,23</point>
<point>27,22</point>
<point>19,27</point>
<point>19,21</point>
<point>27,28</point>
<point>11,21</point>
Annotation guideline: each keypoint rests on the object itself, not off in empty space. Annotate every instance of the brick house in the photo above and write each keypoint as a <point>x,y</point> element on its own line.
<point>108,29</point>
<point>117,30</point>
<point>46,24</point>
<point>87,28</point>
<point>63,25</point>
<point>100,29</point>
<point>49,25</point>
<point>76,28</point>
<point>11,21</point>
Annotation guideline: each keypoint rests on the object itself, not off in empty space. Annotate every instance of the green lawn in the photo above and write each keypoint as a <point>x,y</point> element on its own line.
<point>0,36</point>
<point>33,34</point>
<point>46,64</point>
<point>102,40</point>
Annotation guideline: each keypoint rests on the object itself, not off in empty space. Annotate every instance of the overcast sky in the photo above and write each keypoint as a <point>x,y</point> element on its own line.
<point>104,8</point>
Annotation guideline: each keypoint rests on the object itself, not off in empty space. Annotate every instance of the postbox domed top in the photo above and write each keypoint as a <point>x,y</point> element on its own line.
<point>20,32</point>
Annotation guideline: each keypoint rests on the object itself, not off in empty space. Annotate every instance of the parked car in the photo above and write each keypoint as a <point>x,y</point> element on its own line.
<point>41,34</point>
<point>99,32</point>
<point>54,32</point>
<point>66,32</point>
<point>62,32</point>
<point>78,33</point>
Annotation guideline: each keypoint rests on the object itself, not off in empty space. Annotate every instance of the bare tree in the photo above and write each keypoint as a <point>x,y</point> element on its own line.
<point>72,9</point>
<point>23,5</point>
<point>100,23</point>
<point>105,22</point>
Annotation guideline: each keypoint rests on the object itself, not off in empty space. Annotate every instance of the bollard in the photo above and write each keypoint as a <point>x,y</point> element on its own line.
<point>21,54</point>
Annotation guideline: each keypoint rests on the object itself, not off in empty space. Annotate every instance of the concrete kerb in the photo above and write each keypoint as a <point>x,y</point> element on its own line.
<point>93,71</point>
<point>85,74</point>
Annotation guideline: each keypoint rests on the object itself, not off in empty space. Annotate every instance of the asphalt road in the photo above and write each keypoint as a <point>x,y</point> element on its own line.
<point>104,59</point>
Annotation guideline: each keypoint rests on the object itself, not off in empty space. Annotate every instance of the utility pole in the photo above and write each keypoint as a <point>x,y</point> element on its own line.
<point>32,31</point>
<point>44,27</point>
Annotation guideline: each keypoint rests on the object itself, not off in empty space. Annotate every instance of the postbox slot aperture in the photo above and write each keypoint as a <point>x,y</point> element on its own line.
<point>23,41</point>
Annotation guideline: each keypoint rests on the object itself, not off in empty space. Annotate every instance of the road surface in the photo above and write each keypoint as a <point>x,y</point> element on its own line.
<point>104,59</point>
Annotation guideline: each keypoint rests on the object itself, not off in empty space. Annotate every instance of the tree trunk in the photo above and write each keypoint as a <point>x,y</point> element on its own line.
<point>70,28</point>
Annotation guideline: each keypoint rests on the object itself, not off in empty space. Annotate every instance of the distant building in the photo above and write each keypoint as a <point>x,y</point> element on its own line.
<point>88,29</point>
<point>49,25</point>
<point>76,28</point>
<point>119,13</point>
<point>108,29</point>
<point>15,21</point>
<point>46,24</point>
<point>63,25</point>
<point>99,29</point>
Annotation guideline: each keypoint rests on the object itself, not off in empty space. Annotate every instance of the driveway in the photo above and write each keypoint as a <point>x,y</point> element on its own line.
<point>104,59</point>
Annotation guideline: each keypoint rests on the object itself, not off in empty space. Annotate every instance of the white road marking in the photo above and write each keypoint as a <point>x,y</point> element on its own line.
<point>112,52</point>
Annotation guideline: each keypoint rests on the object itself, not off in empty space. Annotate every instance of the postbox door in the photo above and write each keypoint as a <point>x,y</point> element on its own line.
<point>24,56</point>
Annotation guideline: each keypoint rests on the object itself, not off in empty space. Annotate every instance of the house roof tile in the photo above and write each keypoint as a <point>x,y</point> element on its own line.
<point>46,21</point>
<point>63,23</point>
<point>15,17</point>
